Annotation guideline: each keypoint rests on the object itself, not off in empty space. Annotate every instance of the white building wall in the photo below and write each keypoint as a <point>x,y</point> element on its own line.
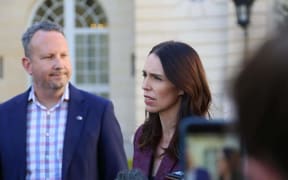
<point>202,24</point>
<point>12,22</point>
<point>120,15</point>
<point>17,15</point>
<point>207,25</point>
<point>257,31</point>
<point>210,27</point>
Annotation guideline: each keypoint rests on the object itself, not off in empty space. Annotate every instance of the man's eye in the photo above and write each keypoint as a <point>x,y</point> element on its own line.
<point>47,57</point>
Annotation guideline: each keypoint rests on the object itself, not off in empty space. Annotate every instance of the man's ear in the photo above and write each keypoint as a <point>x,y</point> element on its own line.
<point>26,63</point>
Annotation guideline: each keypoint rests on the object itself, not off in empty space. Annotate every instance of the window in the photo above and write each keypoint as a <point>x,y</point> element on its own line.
<point>51,10</point>
<point>90,14</point>
<point>90,37</point>
<point>91,60</point>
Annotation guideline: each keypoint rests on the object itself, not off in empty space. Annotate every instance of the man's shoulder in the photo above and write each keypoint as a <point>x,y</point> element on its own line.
<point>16,99</point>
<point>88,96</point>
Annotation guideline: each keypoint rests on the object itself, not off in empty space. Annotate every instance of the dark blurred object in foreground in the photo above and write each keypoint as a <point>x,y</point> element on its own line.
<point>261,101</point>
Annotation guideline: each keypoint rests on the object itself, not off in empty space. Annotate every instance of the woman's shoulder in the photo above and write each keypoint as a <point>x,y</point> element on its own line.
<point>139,130</point>
<point>138,133</point>
<point>141,156</point>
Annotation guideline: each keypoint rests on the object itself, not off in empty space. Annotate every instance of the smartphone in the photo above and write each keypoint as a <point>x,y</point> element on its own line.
<point>210,149</point>
<point>177,175</point>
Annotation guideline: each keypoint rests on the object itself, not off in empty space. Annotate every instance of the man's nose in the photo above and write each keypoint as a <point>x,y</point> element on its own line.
<point>58,62</point>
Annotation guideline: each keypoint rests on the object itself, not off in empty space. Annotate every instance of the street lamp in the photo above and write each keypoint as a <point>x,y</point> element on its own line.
<point>243,12</point>
<point>243,19</point>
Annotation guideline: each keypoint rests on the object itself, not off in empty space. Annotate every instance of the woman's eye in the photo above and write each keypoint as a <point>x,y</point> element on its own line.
<point>158,78</point>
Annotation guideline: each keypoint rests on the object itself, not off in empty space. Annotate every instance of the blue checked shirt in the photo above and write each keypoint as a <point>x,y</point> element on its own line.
<point>45,138</point>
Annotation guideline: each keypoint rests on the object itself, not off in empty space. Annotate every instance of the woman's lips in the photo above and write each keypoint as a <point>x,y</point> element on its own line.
<point>149,100</point>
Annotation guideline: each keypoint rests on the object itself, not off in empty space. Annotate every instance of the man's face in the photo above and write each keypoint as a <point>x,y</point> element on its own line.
<point>49,62</point>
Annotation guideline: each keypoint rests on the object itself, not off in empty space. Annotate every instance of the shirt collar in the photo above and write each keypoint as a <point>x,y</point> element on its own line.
<point>65,96</point>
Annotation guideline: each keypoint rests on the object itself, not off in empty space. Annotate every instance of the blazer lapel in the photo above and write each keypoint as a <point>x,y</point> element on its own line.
<point>146,163</point>
<point>167,165</point>
<point>75,120</point>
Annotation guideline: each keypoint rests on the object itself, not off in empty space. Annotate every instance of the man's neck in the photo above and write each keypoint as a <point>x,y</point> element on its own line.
<point>50,97</point>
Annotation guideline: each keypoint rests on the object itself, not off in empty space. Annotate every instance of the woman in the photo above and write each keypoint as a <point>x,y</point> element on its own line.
<point>175,86</point>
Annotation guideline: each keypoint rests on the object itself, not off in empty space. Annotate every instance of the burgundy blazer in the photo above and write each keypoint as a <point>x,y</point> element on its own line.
<point>142,160</point>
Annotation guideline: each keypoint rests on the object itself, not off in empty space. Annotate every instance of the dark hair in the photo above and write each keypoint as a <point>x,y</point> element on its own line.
<point>42,25</point>
<point>133,174</point>
<point>184,69</point>
<point>260,93</point>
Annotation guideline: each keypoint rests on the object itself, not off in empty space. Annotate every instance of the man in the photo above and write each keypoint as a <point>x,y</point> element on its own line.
<point>261,98</point>
<point>54,130</point>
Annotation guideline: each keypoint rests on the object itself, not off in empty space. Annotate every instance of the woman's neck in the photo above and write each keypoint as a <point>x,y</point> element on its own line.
<point>169,119</point>
<point>168,124</point>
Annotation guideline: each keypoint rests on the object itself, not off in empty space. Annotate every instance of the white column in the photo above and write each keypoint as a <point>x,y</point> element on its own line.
<point>69,29</point>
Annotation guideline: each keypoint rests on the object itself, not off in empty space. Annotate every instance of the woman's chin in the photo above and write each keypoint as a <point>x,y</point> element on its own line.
<point>151,110</point>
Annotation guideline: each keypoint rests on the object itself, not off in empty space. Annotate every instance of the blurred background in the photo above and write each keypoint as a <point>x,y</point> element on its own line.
<point>110,39</point>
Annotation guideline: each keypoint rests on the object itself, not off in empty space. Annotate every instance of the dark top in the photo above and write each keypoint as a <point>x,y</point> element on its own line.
<point>143,160</point>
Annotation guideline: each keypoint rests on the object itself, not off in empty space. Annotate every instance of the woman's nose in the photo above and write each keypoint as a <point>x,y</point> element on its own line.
<point>146,85</point>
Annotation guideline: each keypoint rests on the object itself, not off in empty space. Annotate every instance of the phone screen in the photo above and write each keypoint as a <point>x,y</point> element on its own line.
<point>211,151</point>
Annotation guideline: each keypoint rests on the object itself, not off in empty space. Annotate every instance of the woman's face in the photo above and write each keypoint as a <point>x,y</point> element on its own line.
<point>159,93</point>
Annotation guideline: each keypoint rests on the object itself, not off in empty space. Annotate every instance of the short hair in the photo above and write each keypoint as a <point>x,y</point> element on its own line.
<point>42,25</point>
<point>133,174</point>
<point>260,93</point>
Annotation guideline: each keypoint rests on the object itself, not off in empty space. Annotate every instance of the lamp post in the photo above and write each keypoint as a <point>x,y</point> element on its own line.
<point>243,19</point>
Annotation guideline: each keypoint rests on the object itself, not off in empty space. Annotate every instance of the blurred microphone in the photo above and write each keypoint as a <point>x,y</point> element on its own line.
<point>133,174</point>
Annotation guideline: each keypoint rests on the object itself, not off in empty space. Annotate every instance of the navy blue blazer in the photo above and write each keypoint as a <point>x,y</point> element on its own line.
<point>93,147</point>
